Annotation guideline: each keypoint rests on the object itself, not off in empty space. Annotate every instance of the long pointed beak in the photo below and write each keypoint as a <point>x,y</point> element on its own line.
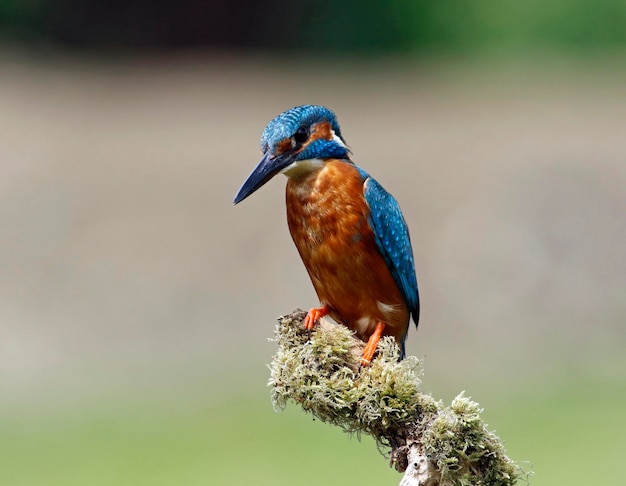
<point>267,168</point>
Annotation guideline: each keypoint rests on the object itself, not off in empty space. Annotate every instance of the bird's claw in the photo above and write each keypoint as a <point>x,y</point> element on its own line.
<point>314,315</point>
<point>372,344</point>
<point>368,354</point>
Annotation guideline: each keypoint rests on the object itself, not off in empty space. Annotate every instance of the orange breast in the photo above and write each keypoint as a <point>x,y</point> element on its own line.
<point>328,221</point>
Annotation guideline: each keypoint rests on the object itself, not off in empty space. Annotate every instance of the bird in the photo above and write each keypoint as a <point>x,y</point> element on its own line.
<point>349,231</point>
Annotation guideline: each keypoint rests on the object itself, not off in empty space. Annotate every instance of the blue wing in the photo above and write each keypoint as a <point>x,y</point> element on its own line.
<point>393,241</point>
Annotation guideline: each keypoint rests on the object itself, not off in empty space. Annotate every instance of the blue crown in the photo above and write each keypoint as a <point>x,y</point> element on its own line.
<point>286,124</point>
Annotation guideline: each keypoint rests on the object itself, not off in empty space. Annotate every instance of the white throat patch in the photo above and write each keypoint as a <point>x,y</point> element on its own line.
<point>301,167</point>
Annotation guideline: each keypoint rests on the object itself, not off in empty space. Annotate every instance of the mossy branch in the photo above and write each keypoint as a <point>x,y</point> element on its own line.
<point>432,444</point>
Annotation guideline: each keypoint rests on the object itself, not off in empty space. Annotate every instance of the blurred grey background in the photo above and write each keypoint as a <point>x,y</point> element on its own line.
<point>127,276</point>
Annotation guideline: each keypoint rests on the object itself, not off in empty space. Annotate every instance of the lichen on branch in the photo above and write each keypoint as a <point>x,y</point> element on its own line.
<point>432,444</point>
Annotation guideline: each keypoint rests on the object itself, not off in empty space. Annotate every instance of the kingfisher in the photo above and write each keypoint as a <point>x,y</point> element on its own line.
<point>349,231</point>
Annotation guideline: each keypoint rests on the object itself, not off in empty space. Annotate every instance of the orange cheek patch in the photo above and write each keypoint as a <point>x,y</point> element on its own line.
<point>284,146</point>
<point>321,131</point>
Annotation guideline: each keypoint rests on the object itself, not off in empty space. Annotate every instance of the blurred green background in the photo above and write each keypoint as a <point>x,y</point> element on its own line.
<point>136,302</point>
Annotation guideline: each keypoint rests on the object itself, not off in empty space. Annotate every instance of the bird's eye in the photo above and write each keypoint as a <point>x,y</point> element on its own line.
<point>301,135</point>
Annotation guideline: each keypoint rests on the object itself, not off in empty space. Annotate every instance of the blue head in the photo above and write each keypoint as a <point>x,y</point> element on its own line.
<point>296,142</point>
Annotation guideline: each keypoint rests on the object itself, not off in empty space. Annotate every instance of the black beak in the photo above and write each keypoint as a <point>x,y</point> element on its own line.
<point>267,168</point>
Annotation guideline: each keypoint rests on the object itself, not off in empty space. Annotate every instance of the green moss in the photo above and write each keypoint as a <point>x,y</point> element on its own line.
<point>461,446</point>
<point>321,372</point>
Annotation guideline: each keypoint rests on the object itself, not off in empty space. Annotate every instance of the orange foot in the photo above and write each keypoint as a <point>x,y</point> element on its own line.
<point>313,316</point>
<point>372,344</point>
